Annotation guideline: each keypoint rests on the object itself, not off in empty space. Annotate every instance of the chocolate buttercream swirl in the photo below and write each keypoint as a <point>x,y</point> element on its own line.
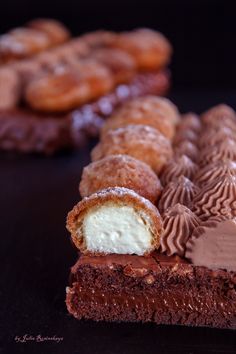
<point>213,171</point>
<point>191,121</point>
<point>213,244</point>
<point>186,148</point>
<point>180,191</point>
<point>180,165</point>
<point>218,198</point>
<point>178,225</point>
<point>218,114</point>
<point>223,151</point>
<point>185,134</point>
<point>214,136</point>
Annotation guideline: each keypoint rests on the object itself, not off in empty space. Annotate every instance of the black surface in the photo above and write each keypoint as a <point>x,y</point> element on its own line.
<point>202,31</point>
<point>36,254</point>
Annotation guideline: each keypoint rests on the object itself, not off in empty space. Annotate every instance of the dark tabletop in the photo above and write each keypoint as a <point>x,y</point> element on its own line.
<point>36,254</point>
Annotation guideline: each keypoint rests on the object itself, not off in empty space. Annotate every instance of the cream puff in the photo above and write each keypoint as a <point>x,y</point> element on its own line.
<point>157,112</point>
<point>139,141</point>
<point>55,30</point>
<point>120,171</point>
<point>115,220</point>
<point>149,48</point>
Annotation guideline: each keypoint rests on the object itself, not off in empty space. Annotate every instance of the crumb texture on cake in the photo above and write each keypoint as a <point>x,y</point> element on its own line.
<point>161,289</point>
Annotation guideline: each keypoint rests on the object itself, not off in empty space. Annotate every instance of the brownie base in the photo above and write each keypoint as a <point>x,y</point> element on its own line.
<point>160,289</point>
<point>27,131</point>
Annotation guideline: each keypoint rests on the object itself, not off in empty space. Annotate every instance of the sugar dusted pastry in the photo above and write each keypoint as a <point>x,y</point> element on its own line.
<point>180,190</point>
<point>55,30</point>
<point>57,92</point>
<point>120,171</point>
<point>115,220</point>
<point>98,77</point>
<point>158,112</point>
<point>149,104</point>
<point>120,63</point>
<point>140,141</point>
<point>179,165</point>
<point>69,88</point>
<point>9,88</point>
<point>178,225</point>
<point>21,43</point>
<point>98,39</point>
<point>150,49</point>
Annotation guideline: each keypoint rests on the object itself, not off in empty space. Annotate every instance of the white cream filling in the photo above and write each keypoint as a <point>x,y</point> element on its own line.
<point>116,229</point>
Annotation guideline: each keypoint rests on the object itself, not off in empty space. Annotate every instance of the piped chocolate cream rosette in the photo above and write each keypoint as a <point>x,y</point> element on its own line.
<point>179,165</point>
<point>217,198</point>
<point>185,134</point>
<point>178,225</point>
<point>214,136</point>
<point>221,114</point>
<point>213,244</point>
<point>190,121</point>
<point>182,191</point>
<point>115,220</point>
<point>223,151</point>
<point>186,148</point>
<point>214,171</point>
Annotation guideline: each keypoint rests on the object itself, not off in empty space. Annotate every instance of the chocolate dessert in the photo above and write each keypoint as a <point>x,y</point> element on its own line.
<point>28,131</point>
<point>76,82</point>
<point>173,266</point>
<point>161,289</point>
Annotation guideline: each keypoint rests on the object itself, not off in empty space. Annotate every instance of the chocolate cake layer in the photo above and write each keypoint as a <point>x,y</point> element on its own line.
<point>158,288</point>
<point>27,131</point>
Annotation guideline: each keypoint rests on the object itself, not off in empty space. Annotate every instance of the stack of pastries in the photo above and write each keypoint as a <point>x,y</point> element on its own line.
<point>156,224</point>
<point>55,88</point>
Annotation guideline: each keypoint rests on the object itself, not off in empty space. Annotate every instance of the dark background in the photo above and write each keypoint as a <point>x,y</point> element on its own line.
<point>203,32</point>
<point>36,192</point>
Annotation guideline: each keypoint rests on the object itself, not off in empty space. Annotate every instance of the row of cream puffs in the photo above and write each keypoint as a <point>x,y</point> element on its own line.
<point>120,188</point>
<point>82,69</point>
